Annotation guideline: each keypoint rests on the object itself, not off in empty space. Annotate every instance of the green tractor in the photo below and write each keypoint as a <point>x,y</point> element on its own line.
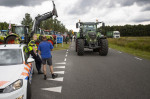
<point>20,32</point>
<point>90,37</point>
<point>3,34</point>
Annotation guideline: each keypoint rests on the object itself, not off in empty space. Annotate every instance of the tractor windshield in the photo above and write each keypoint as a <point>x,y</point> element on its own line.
<point>20,30</point>
<point>89,28</point>
<point>47,33</point>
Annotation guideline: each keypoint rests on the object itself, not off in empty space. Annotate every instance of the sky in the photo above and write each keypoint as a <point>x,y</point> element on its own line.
<point>111,12</point>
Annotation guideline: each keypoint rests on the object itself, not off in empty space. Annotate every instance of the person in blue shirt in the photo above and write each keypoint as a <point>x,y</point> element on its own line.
<point>44,50</point>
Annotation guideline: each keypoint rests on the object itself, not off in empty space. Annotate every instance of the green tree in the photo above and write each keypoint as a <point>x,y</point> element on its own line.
<point>27,21</point>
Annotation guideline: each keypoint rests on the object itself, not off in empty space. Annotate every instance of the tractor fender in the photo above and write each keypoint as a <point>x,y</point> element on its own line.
<point>10,36</point>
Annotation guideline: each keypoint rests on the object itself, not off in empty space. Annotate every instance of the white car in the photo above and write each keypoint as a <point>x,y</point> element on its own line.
<point>16,68</point>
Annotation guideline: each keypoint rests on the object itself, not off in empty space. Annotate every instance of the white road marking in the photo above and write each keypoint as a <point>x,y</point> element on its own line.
<point>63,63</point>
<point>59,72</point>
<point>137,58</point>
<point>65,59</point>
<point>119,52</point>
<point>67,52</point>
<point>59,67</point>
<point>53,89</point>
<point>56,79</point>
<point>66,55</point>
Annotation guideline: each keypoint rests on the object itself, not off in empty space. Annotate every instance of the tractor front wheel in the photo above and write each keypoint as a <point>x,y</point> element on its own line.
<point>103,51</point>
<point>1,42</point>
<point>11,40</point>
<point>80,47</point>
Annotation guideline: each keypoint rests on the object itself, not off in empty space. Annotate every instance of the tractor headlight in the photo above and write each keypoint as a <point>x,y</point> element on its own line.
<point>14,86</point>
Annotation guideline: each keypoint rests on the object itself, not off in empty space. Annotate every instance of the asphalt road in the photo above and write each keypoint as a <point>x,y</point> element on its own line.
<point>115,76</point>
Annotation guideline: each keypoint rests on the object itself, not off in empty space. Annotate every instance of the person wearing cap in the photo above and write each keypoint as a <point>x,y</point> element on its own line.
<point>33,51</point>
<point>44,50</point>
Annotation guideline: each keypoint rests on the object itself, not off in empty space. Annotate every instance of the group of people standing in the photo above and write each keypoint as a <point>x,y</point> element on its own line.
<point>42,55</point>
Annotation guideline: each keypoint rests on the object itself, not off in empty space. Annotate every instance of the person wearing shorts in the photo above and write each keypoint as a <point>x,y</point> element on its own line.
<point>44,50</point>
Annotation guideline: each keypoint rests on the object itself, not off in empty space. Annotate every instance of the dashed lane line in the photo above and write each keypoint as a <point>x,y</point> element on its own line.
<point>61,63</point>
<point>65,59</point>
<point>59,72</point>
<point>53,89</point>
<point>138,58</point>
<point>56,79</point>
<point>59,67</point>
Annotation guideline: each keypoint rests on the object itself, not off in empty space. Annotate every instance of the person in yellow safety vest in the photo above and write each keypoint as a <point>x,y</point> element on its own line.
<point>17,41</point>
<point>33,51</point>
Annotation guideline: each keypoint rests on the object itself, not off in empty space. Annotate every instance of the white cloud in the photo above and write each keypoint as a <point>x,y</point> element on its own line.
<point>114,14</point>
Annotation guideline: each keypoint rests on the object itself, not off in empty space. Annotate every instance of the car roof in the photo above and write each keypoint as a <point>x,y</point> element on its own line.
<point>12,46</point>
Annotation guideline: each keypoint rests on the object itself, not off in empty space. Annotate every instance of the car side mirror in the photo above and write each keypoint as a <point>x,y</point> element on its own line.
<point>77,25</point>
<point>30,60</point>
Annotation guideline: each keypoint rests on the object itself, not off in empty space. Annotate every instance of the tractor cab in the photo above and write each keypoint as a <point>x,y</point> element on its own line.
<point>3,34</point>
<point>20,32</point>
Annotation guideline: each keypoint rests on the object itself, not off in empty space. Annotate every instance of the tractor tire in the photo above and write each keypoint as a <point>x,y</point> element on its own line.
<point>1,42</point>
<point>103,51</point>
<point>51,41</point>
<point>80,47</point>
<point>11,40</point>
<point>76,42</point>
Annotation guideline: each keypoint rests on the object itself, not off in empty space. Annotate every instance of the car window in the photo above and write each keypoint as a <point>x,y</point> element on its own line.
<point>10,57</point>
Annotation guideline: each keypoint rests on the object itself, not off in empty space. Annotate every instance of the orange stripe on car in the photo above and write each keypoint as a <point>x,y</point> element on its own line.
<point>28,66</point>
<point>3,82</point>
<point>26,69</point>
<point>25,74</point>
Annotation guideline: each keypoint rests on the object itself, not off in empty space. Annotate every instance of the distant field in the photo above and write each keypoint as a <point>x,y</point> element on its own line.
<point>139,46</point>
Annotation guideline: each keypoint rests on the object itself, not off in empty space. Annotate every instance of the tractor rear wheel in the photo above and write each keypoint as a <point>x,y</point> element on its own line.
<point>11,40</point>
<point>80,47</point>
<point>104,47</point>
<point>1,42</point>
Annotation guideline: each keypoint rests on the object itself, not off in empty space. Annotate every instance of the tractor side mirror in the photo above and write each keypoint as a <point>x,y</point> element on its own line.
<point>103,25</point>
<point>77,25</point>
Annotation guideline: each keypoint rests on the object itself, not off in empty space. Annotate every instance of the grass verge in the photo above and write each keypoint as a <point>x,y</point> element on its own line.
<point>135,52</point>
<point>59,46</point>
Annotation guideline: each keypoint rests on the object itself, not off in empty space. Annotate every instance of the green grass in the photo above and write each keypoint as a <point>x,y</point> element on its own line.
<point>138,46</point>
<point>59,46</point>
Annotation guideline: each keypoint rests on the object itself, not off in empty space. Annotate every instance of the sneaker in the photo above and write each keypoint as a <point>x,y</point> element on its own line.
<point>54,76</point>
<point>45,77</point>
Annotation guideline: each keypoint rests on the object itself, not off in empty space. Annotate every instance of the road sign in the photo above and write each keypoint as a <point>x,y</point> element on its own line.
<point>59,39</point>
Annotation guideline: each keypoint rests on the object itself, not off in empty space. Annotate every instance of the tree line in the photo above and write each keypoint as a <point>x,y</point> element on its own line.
<point>130,30</point>
<point>50,24</point>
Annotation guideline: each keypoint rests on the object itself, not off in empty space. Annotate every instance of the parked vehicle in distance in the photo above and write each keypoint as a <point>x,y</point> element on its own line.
<point>113,34</point>
<point>16,68</point>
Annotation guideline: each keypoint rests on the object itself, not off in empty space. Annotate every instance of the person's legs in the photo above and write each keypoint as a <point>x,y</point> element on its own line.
<point>49,62</point>
<point>44,68</point>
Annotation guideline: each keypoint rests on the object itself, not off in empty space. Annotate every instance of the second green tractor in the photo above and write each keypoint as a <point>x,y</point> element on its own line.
<point>89,36</point>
